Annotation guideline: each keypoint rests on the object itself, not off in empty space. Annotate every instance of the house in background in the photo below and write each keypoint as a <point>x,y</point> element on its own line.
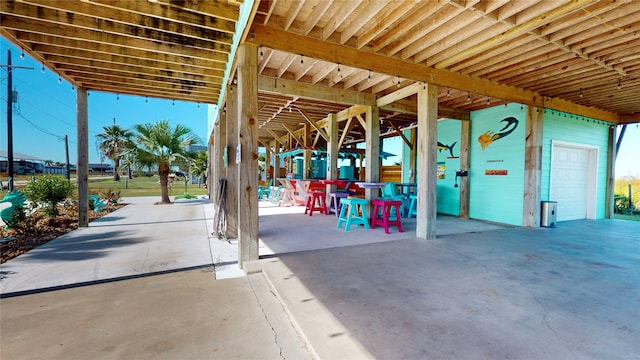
<point>22,163</point>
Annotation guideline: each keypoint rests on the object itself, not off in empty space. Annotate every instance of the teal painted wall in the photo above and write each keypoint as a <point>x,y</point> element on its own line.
<point>406,155</point>
<point>497,198</point>
<point>448,196</point>
<point>578,130</point>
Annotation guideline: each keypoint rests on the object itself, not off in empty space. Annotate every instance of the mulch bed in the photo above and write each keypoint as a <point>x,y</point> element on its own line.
<point>39,229</point>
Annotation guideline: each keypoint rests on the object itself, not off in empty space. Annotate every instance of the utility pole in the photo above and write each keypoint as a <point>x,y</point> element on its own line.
<point>10,118</point>
<point>9,123</point>
<point>66,150</point>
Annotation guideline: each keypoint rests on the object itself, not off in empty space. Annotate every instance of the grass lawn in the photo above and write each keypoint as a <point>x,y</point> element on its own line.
<point>142,186</point>
<point>627,217</point>
<point>138,186</point>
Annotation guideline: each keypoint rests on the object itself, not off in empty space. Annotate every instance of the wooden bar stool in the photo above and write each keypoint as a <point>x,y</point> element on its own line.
<point>412,212</point>
<point>287,197</point>
<point>353,211</point>
<point>275,194</point>
<point>334,202</point>
<point>385,206</point>
<point>316,202</point>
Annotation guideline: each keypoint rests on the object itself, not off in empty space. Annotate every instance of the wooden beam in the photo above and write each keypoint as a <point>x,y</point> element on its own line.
<point>532,167</point>
<point>465,142</point>
<point>629,118</point>
<point>247,124</point>
<point>372,153</point>
<point>82,165</point>
<point>314,124</point>
<point>331,52</point>
<point>316,92</point>
<point>427,164</point>
<point>345,132</point>
<point>315,140</point>
<point>293,134</point>
<point>398,94</point>
<point>232,167</point>
<point>401,134</point>
<point>611,178</point>
<point>276,137</point>
<point>351,112</point>
<point>361,121</point>
<point>514,31</point>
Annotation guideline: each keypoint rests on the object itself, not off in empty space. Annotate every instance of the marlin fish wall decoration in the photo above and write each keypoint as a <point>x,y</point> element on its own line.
<point>489,137</point>
<point>442,146</point>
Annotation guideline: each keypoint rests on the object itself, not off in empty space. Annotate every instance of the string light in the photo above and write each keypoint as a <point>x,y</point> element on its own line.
<point>22,54</point>
<point>448,92</point>
<point>619,84</point>
<point>117,96</point>
<point>261,53</point>
<point>59,80</point>
<point>301,59</point>
<point>42,69</point>
<point>173,103</point>
<point>146,99</point>
<point>488,101</point>
<point>580,92</point>
<point>398,84</point>
<point>468,96</point>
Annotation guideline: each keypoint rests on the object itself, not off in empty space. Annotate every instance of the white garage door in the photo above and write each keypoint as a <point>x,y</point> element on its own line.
<point>571,181</point>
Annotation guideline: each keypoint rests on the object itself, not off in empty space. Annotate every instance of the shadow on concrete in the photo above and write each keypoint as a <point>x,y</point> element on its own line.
<point>102,281</point>
<point>181,221</point>
<point>77,246</point>
<point>569,292</point>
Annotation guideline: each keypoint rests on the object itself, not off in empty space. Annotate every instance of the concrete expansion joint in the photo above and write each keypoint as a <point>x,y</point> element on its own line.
<point>266,317</point>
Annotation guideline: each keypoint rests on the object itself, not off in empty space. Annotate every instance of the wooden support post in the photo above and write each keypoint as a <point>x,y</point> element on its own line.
<point>372,153</point>
<point>82,165</point>
<point>220,143</point>
<point>465,136</point>
<point>267,161</point>
<point>427,161</point>
<point>232,167</point>
<point>247,125</point>
<point>211,159</point>
<point>611,169</point>
<point>412,155</point>
<point>306,155</point>
<point>332,151</point>
<point>532,167</point>
<point>276,163</point>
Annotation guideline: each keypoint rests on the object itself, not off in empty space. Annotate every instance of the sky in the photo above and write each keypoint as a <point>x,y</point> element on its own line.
<point>46,112</point>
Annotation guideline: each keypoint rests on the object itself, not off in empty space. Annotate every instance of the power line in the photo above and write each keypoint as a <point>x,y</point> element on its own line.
<point>19,113</point>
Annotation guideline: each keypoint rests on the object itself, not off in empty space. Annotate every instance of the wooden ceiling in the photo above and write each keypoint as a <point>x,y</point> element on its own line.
<point>578,56</point>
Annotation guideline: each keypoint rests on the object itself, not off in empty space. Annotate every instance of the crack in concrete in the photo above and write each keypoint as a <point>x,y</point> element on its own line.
<point>264,313</point>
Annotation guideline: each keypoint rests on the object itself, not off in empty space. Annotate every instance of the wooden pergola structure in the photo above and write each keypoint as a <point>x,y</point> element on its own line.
<point>334,72</point>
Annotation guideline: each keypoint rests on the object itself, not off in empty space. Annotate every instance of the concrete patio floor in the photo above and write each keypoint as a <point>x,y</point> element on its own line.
<point>140,284</point>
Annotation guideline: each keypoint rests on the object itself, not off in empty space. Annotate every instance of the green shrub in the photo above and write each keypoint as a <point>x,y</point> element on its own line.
<point>49,190</point>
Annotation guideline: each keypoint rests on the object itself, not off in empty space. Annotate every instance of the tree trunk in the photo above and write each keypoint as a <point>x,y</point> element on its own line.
<point>116,173</point>
<point>163,172</point>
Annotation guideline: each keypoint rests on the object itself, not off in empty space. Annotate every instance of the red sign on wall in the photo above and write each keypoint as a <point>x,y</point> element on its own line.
<point>495,172</point>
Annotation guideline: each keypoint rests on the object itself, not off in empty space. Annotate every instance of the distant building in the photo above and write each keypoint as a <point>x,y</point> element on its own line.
<point>22,163</point>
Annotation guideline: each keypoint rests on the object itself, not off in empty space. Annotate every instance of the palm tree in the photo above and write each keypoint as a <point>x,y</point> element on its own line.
<point>163,145</point>
<point>200,164</point>
<point>112,142</point>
